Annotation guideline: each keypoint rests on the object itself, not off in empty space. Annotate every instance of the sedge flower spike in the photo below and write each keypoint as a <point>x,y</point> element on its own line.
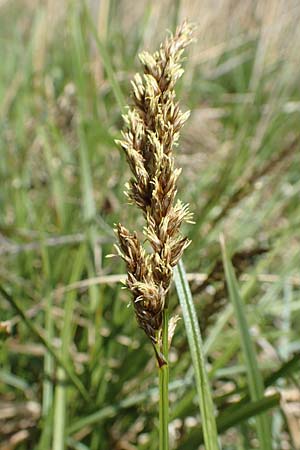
<point>152,127</point>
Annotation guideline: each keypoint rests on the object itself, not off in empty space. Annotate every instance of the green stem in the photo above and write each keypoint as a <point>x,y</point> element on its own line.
<point>164,388</point>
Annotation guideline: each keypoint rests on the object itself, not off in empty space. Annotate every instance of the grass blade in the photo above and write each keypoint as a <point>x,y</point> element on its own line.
<point>59,417</point>
<point>89,208</point>
<point>255,380</point>
<point>106,60</point>
<point>61,390</point>
<point>197,354</point>
<point>129,402</point>
<point>72,376</point>
<point>242,411</point>
<point>247,410</point>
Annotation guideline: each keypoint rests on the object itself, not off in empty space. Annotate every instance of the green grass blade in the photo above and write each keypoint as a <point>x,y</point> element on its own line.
<point>245,411</point>
<point>49,334</point>
<point>72,376</point>
<point>72,443</point>
<point>107,65</point>
<point>79,58</point>
<point>241,412</point>
<point>197,354</point>
<point>286,370</point>
<point>255,380</point>
<point>61,390</point>
<point>59,420</point>
<point>129,402</point>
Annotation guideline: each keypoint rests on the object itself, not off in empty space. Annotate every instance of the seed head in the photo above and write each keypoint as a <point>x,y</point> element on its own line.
<point>152,127</point>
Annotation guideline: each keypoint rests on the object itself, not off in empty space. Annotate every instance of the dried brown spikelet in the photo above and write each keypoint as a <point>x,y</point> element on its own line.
<point>152,127</point>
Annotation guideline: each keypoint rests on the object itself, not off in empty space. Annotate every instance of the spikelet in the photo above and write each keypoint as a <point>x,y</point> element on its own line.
<point>152,127</point>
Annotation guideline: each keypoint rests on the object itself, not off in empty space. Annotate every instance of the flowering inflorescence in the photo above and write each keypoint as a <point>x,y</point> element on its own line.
<point>152,127</point>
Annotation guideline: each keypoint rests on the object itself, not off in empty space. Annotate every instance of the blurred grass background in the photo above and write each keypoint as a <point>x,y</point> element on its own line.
<point>64,79</point>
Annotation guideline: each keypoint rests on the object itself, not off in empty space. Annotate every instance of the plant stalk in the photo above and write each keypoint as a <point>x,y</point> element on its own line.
<point>163,372</point>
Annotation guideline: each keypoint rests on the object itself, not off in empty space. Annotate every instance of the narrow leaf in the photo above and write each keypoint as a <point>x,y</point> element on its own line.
<point>197,354</point>
<point>106,60</point>
<point>255,380</point>
<point>230,418</point>
<point>72,376</point>
<point>245,411</point>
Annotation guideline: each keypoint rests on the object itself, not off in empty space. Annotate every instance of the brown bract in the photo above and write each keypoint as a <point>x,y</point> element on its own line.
<point>152,127</point>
